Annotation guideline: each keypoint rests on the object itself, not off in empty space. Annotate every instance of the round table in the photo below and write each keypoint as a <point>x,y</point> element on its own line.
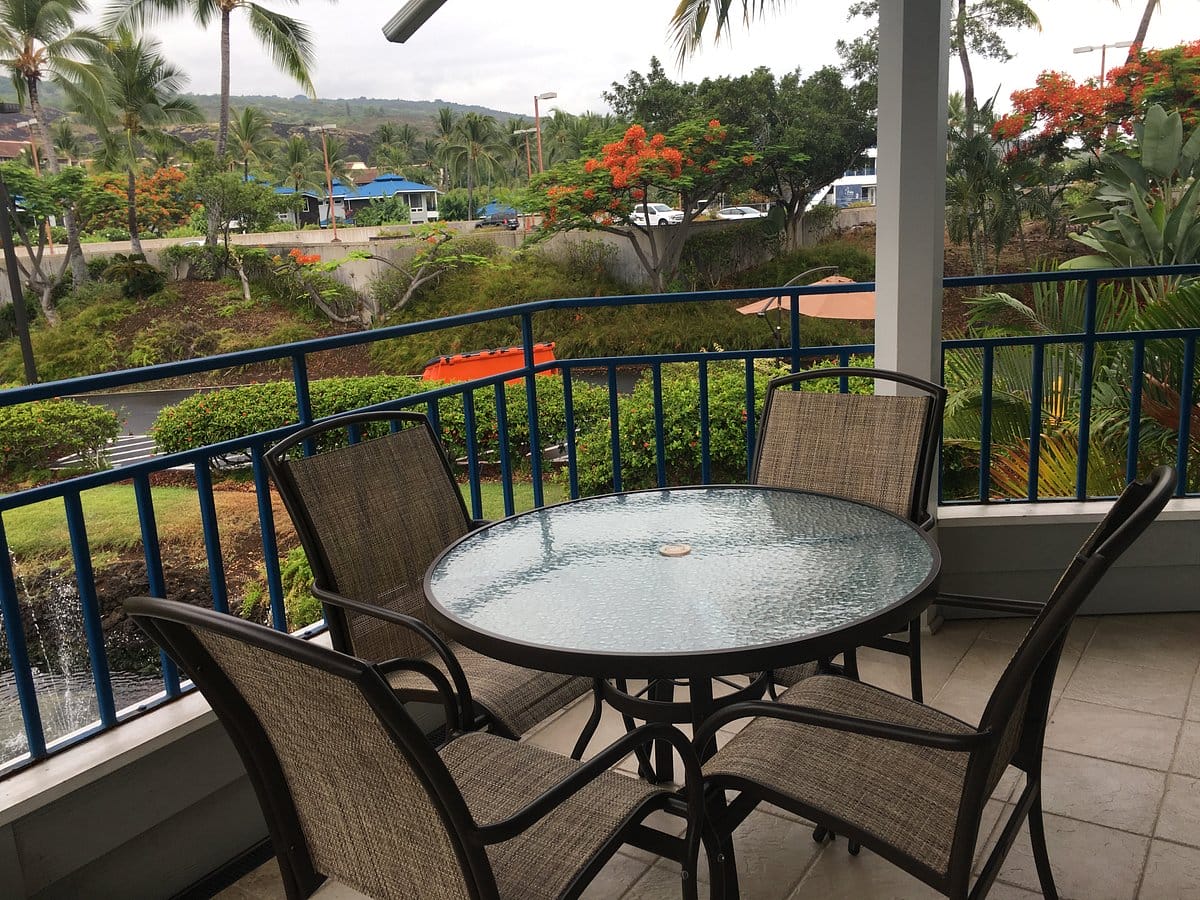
<point>683,582</point>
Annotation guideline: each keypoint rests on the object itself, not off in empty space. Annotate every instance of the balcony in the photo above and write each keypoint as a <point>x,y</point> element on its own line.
<point>1122,772</point>
<point>1121,780</point>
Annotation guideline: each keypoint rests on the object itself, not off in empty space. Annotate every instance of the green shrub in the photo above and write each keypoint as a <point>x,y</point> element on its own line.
<point>727,416</point>
<point>183,231</point>
<point>300,606</point>
<point>81,345</point>
<point>390,211</point>
<point>172,340</point>
<point>8,317</point>
<point>136,277</point>
<point>34,435</point>
<point>453,206</point>
<point>849,259</point>
<point>713,255</point>
<point>199,262</point>
<point>290,333</point>
<point>232,413</point>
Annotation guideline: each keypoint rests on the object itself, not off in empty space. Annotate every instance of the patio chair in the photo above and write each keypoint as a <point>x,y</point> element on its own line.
<point>354,794</point>
<point>371,516</point>
<point>909,781</point>
<point>876,449</point>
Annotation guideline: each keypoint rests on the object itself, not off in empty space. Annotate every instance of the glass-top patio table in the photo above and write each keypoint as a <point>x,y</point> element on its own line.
<point>682,583</point>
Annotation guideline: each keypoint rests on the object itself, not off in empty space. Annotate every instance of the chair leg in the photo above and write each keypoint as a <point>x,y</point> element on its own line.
<point>1037,837</point>
<point>593,722</point>
<point>914,659</point>
<point>722,865</point>
<point>645,764</point>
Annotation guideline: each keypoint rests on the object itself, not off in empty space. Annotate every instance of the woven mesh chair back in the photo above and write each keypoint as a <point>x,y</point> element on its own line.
<point>1018,706</point>
<point>350,787</point>
<point>379,511</point>
<point>866,448</point>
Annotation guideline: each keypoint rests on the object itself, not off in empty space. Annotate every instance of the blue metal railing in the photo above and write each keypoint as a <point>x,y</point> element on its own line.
<point>70,493</point>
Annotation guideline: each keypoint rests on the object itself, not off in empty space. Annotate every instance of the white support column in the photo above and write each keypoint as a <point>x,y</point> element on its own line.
<point>914,50</point>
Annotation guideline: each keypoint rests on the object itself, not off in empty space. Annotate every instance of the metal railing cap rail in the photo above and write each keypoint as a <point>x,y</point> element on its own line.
<point>121,378</point>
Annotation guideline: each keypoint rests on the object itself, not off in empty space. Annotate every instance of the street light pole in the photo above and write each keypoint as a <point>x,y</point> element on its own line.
<point>1103,49</point>
<point>328,178</point>
<point>537,123</point>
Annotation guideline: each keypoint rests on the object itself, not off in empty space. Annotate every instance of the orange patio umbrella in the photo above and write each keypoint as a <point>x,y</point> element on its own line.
<point>858,305</point>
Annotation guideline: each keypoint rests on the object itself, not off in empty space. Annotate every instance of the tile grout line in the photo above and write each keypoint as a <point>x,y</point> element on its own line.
<point>1167,783</point>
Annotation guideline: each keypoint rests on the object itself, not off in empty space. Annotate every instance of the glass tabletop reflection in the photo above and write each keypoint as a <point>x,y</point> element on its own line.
<point>680,571</point>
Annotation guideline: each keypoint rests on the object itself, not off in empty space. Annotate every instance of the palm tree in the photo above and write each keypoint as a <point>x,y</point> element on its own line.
<point>287,41</point>
<point>67,144</point>
<point>296,164</point>
<point>139,92</point>
<point>1143,26</point>
<point>251,138</point>
<point>476,146</point>
<point>38,39</point>
<point>444,125</point>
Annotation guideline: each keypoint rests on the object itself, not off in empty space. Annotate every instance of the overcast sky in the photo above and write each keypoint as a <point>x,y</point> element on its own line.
<point>499,54</point>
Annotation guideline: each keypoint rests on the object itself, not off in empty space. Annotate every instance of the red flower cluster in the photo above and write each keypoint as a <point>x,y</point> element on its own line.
<point>300,258</point>
<point>1058,105</point>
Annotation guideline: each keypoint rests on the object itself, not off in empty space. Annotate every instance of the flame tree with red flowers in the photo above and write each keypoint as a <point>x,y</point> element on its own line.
<point>1057,111</point>
<point>695,161</point>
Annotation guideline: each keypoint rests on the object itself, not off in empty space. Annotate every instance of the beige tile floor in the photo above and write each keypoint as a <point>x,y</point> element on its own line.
<point>1121,775</point>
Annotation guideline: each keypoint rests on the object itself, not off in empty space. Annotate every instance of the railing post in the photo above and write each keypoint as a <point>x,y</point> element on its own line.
<point>751,437</point>
<point>266,525</point>
<point>1137,375</point>
<point>212,537</point>
<point>157,583</point>
<point>705,463</point>
<point>614,428</point>
<point>18,652</point>
<point>1187,377</point>
<point>506,483</point>
<point>303,398</point>
<point>469,437</point>
<point>794,301</point>
<point>1085,390</point>
<point>985,418</point>
<point>569,436</point>
<point>1035,418</point>
<point>660,437</point>
<point>535,443</point>
<point>89,605</point>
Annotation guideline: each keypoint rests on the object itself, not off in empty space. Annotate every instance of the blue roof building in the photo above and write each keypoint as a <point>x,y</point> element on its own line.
<point>421,200</point>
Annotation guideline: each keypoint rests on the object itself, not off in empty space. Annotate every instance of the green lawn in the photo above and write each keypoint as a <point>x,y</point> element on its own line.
<point>39,531</point>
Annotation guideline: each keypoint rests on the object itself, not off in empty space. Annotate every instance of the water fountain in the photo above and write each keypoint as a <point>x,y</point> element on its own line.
<point>61,671</point>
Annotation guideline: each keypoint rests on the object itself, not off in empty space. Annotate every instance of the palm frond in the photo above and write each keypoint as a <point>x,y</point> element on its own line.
<point>287,41</point>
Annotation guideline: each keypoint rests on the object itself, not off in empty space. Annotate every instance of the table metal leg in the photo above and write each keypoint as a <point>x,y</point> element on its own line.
<point>663,690</point>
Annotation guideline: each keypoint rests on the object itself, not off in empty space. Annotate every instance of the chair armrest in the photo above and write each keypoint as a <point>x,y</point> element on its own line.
<point>807,715</point>
<point>455,715</point>
<point>990,604</point>
<point>431,637</point>
<point>597,765</point>
<point>927,522</point>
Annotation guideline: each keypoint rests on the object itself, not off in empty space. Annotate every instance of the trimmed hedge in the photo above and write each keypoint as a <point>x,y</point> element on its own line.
<point>223,415</point>
<point>727,416</point>
<point>34,435</point>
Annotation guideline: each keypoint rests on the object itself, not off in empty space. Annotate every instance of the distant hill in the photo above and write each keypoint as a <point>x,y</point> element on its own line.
<point>358,116</point>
